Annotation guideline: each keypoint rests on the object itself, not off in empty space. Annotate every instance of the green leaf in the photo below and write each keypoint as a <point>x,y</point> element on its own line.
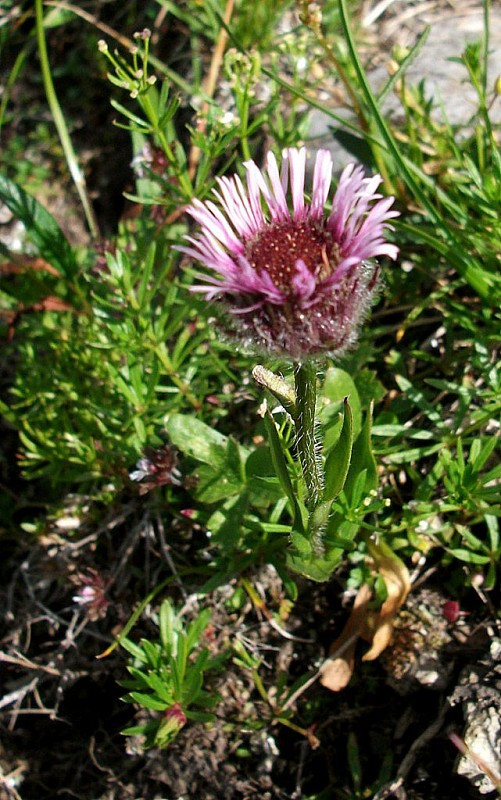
<point>223,474</point>
<point>416,396</point>
<point>479,455</point>
<point>197,627</point>
<point>199,716</point>
<point>191,686</point>
<point>140,679</point>
<point>316,568</point>
<point>225,523</point>
<point>166,626</point>
<point>139,121</point>
<point>338,460</point>
<point>152,653</point>
<point>391,431</point>
<point>182,657</point>
<point>337,386</point>
<point>148,701</point>
<point>146,274</point>
<point>176,676</point>
<point>134,730</point>
<point>301,543</point>
<point>369,387</point>
<point>466,555</point>
<point>413,454</point>
<point>281,469</point>
<point>362,460</point>
<point>215,485</point>
<point>133,649</point>
<point>235,456</point>
<point>262,483</point>
<point>403,66</point>
<point>470,538</point>
<point>160,687</point>
<point>197,440</point>
<point>493,528</point>
<point>41,227</point>
<point>194,679</point>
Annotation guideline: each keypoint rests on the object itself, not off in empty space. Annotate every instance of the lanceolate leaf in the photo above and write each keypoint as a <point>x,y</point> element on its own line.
<point>148,701</point>
<point>197,440</point>
<point>338,460</point>
<point>281,469</point>
<point>362,460</point>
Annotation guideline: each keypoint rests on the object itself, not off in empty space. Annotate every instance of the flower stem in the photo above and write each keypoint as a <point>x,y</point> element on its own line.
<point>306,394</point>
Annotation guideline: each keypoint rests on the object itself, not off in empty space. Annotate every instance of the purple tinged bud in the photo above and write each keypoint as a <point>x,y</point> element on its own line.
<point>176,714</point>
<point>173,721</point>
<point>291,278</point>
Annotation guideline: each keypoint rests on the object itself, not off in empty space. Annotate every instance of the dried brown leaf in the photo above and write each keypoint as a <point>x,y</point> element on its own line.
<point>398,585</point>
<point>336,671</point>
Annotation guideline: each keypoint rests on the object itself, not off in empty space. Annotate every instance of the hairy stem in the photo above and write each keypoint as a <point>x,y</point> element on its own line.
<point>306,395</point>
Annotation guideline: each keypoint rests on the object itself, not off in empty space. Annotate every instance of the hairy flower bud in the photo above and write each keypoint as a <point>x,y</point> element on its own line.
<point>292,279</point>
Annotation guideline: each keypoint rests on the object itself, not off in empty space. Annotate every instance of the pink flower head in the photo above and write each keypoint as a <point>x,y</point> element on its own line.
<point>156,468</point>
<point>91,594</point>
<point>296,279</point>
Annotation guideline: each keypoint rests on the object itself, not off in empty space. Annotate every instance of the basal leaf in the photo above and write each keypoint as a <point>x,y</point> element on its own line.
<point>225,524</point>
<point>214,485</point>
<point>197,440</point>
<point>316,568</point>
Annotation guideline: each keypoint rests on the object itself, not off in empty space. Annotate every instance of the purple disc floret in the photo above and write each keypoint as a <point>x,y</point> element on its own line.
<point>293,279</point>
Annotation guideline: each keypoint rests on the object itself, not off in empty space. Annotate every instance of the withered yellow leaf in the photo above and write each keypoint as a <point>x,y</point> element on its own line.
<point>336,671</point>
<point>375,627</point>
<point>398,585</point>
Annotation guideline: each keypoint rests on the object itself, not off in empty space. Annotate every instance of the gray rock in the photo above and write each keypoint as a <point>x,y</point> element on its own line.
<point>479,692</point>
<point>446,81</point>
